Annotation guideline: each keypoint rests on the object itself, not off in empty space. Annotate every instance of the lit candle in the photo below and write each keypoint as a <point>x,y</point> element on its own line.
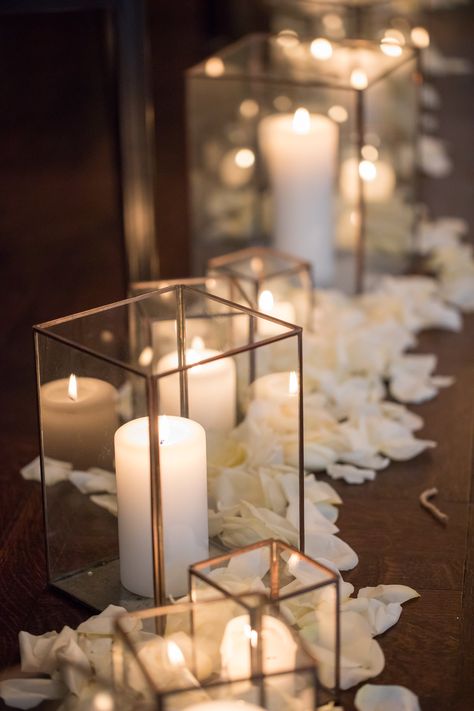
<point>284,310</point>
<point>211,387</point>
<point>378,179</point>
<point>301,151</point>
<point>278,647</point>
<point>183,470</point>
<point>79,418</point>
<point>281,388</point>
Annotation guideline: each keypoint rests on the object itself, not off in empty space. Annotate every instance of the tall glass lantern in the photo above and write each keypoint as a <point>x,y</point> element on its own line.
<point>152,412</point>
<point>308,150</point>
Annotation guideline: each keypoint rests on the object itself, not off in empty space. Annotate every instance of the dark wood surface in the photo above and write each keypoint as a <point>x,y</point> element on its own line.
<point>60,252</point>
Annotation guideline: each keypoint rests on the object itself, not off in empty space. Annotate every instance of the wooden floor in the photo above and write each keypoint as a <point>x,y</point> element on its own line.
<point>60,252</point>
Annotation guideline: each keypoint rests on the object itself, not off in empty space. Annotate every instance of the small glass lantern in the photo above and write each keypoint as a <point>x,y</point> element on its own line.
<point>303,590</point>
<point>145,406</point>
<point>189,655</point>
<point>390,21</point>
<point>312,154</point>
<point>274,283</point>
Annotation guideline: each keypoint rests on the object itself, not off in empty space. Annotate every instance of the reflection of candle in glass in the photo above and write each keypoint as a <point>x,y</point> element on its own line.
<point>78,420</point>
<point>284,310</point>
<point>277,387</point>
<point>213,382</point>
<point>378,179</point>
<point>278,647</point>
<point>300,152</point>
<point>183,470</point>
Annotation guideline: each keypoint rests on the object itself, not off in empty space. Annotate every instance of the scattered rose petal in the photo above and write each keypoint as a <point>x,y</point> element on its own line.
<point>371,697</point>
<point>28,693</point>
<point>350,474</point>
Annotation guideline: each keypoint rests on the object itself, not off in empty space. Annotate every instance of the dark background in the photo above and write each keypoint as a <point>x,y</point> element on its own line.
<point>61,251</point>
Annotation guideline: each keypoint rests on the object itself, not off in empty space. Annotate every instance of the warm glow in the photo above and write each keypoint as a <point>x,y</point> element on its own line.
<point>293,383</point>
<point>197,344</point>
<point>293,559</point>
<point>249,108</point>
<point>282,103</point>
<point>301,121</point>
<point>332,22</point>
<point>338,114</point>
<point>359,79</point>
<point>175,655</point>
<point>287,39</point>
<point>420,37</point>
<point>369,152</point>
<point>251,634</point>
<point>321,48</point>
<point>214,67</point>
<point>72,387</point>
<point>146,356</point>
<point>244,158</point>
<point>164,428</point>
<point>103,701</point>
<point>265,301</point>
<point>395,35</point>
<point>367,171</point>
<point>390,47</point>
<point>256,265</point>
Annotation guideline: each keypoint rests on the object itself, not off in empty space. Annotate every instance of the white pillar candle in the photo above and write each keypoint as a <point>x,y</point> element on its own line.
<point>278,647</point>
<point>78,420</point>
<point>211,387</point>
<point>301,153</point>
<point>378,179</point>
<point>283,310</point>
<point>281,388</point>
<point>183,471</point>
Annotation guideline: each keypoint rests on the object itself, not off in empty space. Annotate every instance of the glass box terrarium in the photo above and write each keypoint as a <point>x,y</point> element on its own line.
<point>234,654</point>
<point>304,591</point>
<point>275,283</point>
<point>310,152</point>
<point>154,410</point>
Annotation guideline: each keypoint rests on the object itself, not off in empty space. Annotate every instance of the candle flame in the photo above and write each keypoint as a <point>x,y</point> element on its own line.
<point>390,47</point>
<point>293,383</point>
<point>321,49</point>
<point>72,387</point>
<point>251,634</point>
<point>265,301</point>
<point>359,79</point>
<point>338,113</point>
<point>244,158</point>
<point>367,171</point>
<point>256,265</point>
<point>175,655</point>
<point>301,121</point>
<point>293,560</point>
<point>103,701</point>
<point>146,356</point>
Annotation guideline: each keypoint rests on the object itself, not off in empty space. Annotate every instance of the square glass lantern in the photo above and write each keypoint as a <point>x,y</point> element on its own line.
<point>211,655</point>
<point>312,155</point>
<point>304,591</point>
<point>147,407</point>
<point>391,21</point>
<point>274,282</point>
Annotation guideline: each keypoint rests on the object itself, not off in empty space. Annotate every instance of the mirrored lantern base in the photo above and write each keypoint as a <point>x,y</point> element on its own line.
<point>100,586</point>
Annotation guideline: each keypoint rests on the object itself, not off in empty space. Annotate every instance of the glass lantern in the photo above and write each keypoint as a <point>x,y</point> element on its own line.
<point>390,21</point>
<point>225,653</point>
<point>303,590</point>
<point>274,283</point>
<point>148,407</point>
<point>313,155</point>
